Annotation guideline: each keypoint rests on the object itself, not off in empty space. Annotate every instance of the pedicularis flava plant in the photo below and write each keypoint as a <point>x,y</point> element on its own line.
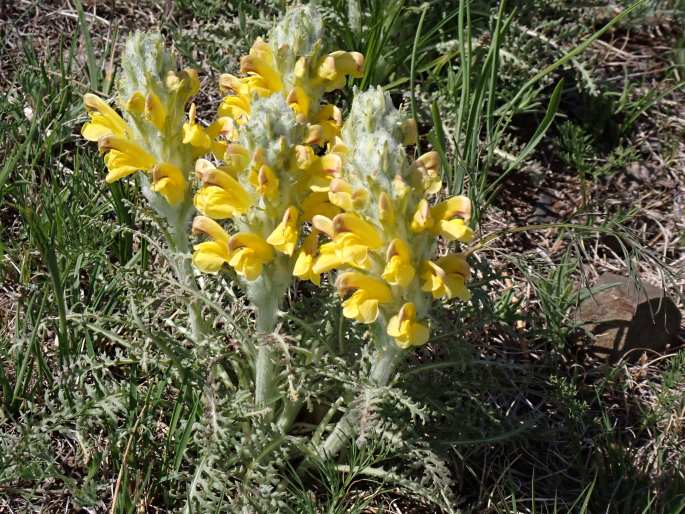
<point>384,243</point>
<point>270,180</point>
<point>151,136</point>
<point>283,190</point>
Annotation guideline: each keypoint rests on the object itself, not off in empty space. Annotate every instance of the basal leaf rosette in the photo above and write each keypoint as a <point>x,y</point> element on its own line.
<point>148,135</point>
<point>384,241</point>
<point>290,62</point>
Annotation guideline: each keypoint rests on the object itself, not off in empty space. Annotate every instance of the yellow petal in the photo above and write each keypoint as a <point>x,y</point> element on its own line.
<point>365,231</point>
<point>209,227</point>
<point>118,166</point>
<point>233,197</point>
<point>210,256</point>
<point>215,202</point>
<point>299,101</point>
<point>155,112</point>
<point>306,257</point>
<point>136,103</point>
<point>250,240</point>
<point>95,104</point>
<point>455,230</point>
<point>96,128</point>
<point>398,270</point>
<point>284,236</point>
<point>265,181</point>
<point>317,203</point>
<point>324,224</point>
<point>453,207</point>
<point>135,154</point>
<point>168,180</point>
<point>374,287</point>
<point>422,219</point>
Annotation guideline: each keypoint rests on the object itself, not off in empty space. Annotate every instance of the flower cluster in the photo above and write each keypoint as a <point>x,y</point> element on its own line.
<point>285,171</point>
<point>278,150</point>
<point>152,96</point>
<point>384,240</point>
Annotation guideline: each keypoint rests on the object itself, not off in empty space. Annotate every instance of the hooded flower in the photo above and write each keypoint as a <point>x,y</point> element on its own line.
<point>222,195</point>
<point>249,253</point>
<point>369,293</point>
<point>406,330</point>
<point>210,256</point>
<point>284,237</point>
<point>398,270</point>
<point>446,277</point>
<point>306,256</point>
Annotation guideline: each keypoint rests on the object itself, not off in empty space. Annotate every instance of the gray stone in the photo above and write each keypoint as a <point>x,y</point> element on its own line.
<point>623,317</point>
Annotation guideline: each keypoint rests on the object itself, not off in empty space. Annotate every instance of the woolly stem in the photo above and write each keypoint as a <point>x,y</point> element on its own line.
<point>265,294</point>
<point>388,355</point>
<point>184,271</point>
<point>177,218</point>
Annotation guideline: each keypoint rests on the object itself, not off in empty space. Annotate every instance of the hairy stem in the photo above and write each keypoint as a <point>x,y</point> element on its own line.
<point>265,294</point>
<point>388,355</point>
<point>184,272</point>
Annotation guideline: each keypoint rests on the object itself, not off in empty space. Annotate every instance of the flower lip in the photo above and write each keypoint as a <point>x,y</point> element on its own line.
<point>350,222</point>
<point>374,287</point>
<point>324,224</point>
<point>203,170</point>
<point>209,227</point>
<point>455,206</point>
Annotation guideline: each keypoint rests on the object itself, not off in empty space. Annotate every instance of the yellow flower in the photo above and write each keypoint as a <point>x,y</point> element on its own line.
<point>398,271</point>
<point>406,330</point>
<point>335,67</point>
<point>210,256</point>
<point>136,103</point>
<point>124,157</point>
<point>264,180</point>
<point>224,127</point>
<point>260,63</point>
<point>168,181</point>
<point>329,118</point>
<point>370,292</point>
<point>422,219</point>
<point>236,158</point>
<point>245,86</point>
<point>317,203</point>
<point>352,238</point>
<point>222,195</point>
<point>446,277</point>
<point>104,121</point>
<point>194,134</point>
<point>452,217</point>
<point>428,168</point>
<point>365,232</point>
<point>342,194</point>
<point>284,236</point>
<point>185,82</point>
<point>306,256</point>
<point>298,100</point>
<point>249,253</point>
<point>235,107</point>
<point>318,169</point>
<point>154,111</point>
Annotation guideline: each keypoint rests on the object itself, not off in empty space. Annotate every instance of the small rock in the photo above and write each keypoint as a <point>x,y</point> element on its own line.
<point>622,316</point>
<point>638,171</point>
